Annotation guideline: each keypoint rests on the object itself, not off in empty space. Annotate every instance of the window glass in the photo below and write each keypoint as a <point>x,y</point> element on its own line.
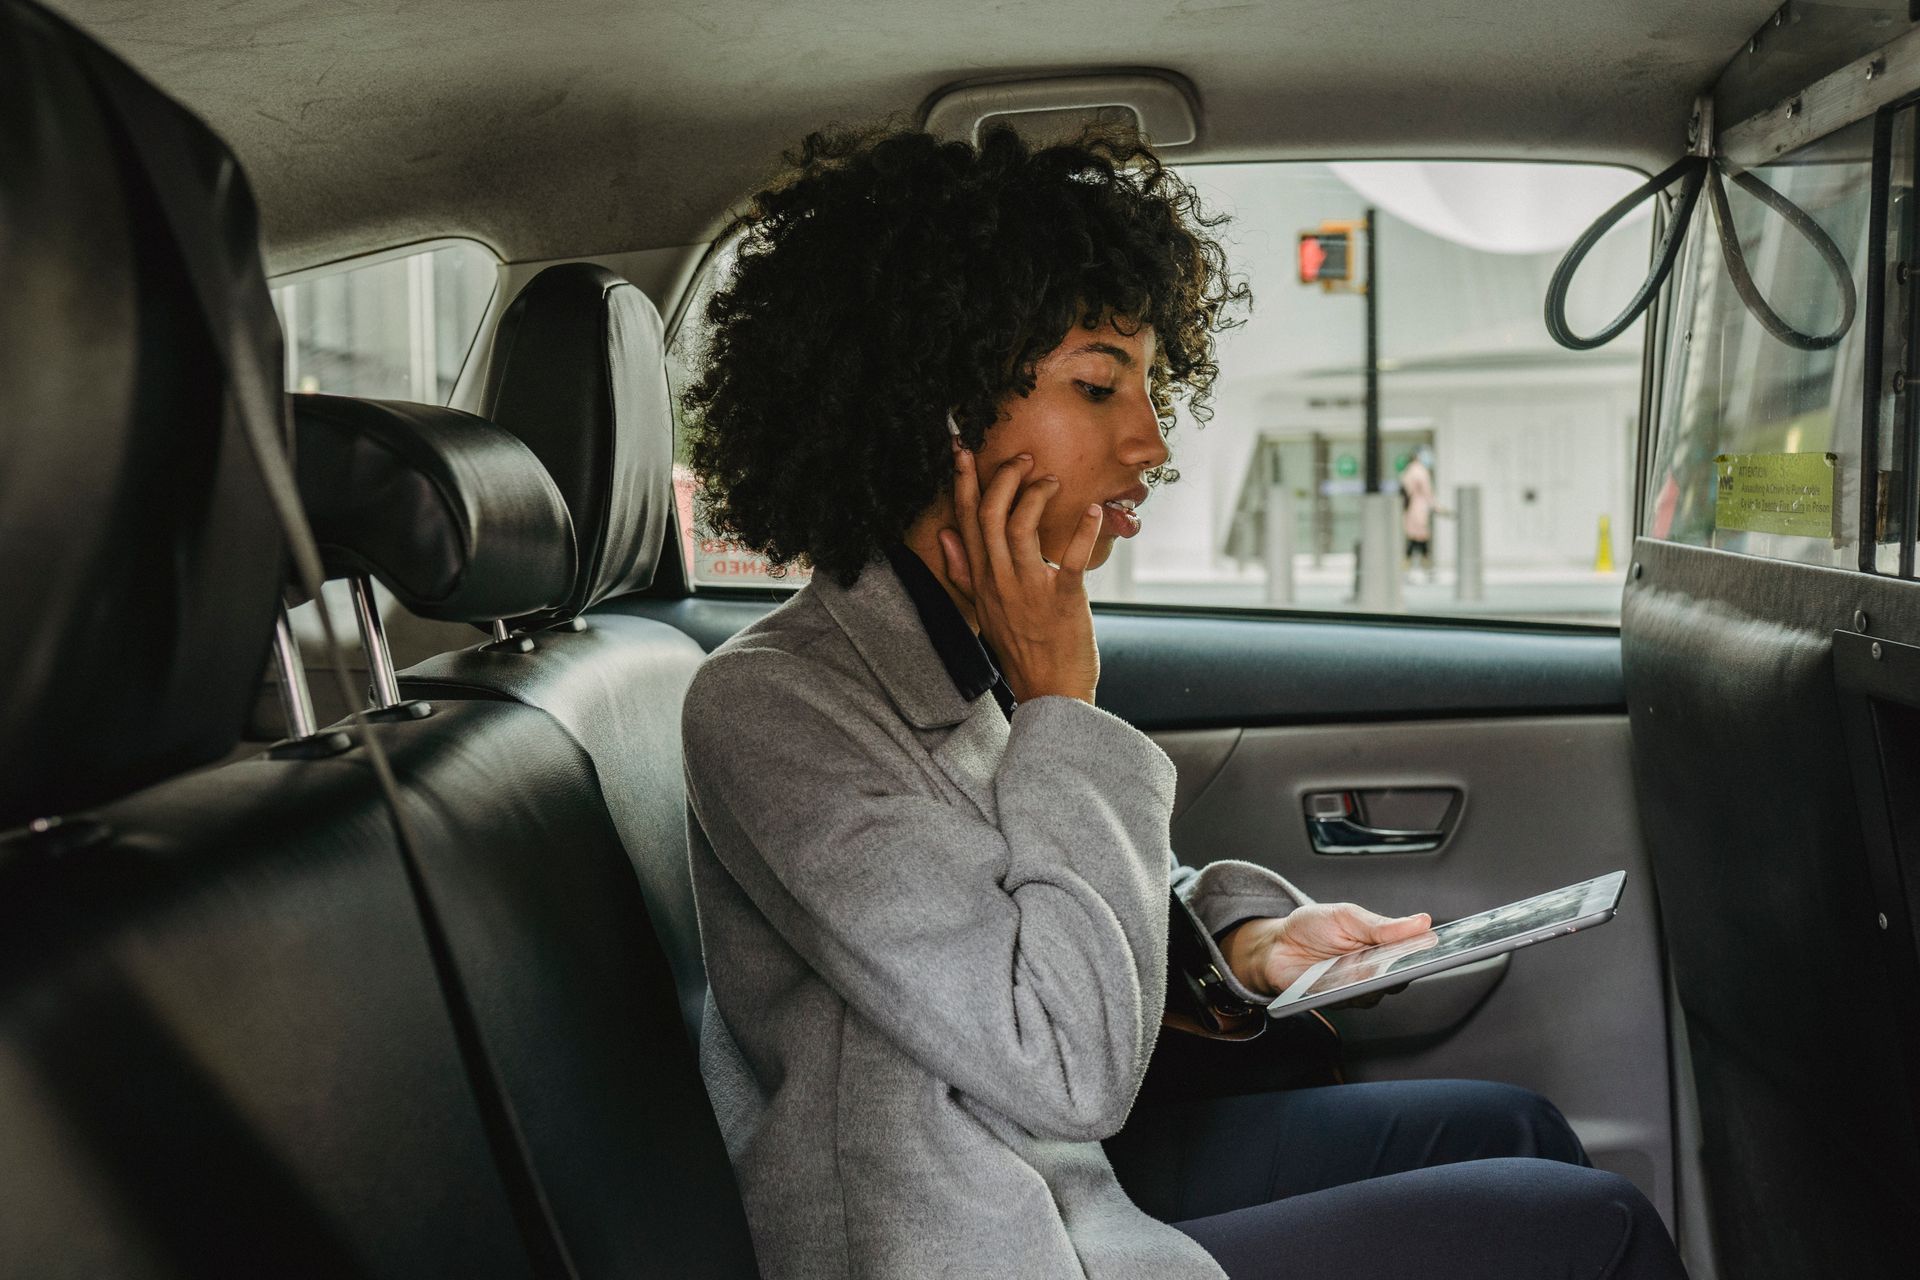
<point>1501,448</point>
<point>1533,443</point>
<point>398,328</point>
<point>1758,442</point>
<point>714,560</point>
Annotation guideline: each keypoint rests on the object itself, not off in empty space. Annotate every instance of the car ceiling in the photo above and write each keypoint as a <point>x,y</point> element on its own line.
<point>584,127</point>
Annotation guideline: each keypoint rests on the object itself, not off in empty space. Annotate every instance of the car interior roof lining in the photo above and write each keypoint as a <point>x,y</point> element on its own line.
<point>602,126</point>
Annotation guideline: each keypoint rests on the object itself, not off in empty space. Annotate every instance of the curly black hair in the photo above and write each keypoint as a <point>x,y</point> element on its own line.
<point>891,277</point>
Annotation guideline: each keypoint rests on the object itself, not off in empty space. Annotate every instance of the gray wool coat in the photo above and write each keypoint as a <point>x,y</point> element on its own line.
<point>936,943</point>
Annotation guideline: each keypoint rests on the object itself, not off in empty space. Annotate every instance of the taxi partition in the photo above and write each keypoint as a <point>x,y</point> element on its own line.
<point>1771,646</point>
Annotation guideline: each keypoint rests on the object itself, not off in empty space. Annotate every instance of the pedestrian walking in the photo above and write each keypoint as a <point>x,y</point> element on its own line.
<point>1416,500</point>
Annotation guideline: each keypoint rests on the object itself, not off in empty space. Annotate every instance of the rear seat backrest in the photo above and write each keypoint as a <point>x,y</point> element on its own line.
<point>224,1047</point>
<point>547,918</point>
<point>579,374</point>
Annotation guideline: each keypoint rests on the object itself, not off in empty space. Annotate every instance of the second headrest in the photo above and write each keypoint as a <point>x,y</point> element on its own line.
<point>579,373</point>
<point>448,511</point>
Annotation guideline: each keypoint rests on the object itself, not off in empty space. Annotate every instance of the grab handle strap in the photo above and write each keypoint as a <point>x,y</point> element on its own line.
<point>1690,171</point>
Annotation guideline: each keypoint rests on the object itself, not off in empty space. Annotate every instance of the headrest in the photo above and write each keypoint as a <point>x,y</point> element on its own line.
<point>140,561</point>
<point>449,512</point>
<point>579,373</point>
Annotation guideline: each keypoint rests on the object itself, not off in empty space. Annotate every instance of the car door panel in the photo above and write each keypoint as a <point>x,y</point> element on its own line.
<point>1167,669</point>
<point>1198,755</point>
<point>1545,801</point>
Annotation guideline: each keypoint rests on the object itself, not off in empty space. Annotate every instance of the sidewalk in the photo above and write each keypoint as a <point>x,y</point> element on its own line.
<point>1551,593</point>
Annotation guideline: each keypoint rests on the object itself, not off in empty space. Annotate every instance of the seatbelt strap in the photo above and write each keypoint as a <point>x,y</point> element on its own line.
<point>157,142</point>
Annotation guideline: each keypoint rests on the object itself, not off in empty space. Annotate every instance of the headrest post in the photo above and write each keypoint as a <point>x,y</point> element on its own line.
<point>373,638</point>
<point>500,632</point>
<point>294,698</point>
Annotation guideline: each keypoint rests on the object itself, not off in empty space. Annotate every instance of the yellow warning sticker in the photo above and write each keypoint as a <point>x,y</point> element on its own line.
<point>1790,493</point>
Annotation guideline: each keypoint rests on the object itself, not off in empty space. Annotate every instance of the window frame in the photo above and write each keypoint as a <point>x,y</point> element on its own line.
<point>374,258</point>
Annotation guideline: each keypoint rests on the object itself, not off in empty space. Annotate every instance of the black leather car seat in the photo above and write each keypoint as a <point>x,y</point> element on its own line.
<point>112,619</point>
<point>223,1049</point>
<point>578,373</point>
<point>547,919</point>
<point>229,1042</point>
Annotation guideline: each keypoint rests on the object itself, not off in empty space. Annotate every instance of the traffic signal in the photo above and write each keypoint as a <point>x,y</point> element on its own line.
<point>1327,257</point>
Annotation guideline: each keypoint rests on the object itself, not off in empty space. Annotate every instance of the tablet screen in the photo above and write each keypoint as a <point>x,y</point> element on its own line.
<point>1514,921</point>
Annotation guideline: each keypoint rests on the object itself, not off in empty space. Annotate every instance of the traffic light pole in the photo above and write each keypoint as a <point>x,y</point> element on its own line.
<point>1327,259</point>
<point>1373,360</point>
<point>1377,567</point>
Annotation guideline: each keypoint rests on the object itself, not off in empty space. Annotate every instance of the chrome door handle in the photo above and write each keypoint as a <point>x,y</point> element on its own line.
<point>1333,827</point>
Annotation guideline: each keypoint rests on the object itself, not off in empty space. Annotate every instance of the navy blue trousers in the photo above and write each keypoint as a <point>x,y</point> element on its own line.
<point>1407,1180</point>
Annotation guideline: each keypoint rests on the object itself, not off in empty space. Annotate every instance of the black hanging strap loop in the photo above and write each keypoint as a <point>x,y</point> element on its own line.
<point>1690,171</point>
<point>1811,231</point>
<point>1693,172</point>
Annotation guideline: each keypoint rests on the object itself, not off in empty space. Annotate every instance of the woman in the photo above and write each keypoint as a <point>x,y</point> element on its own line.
<point>1417,509</point>
<point>932,875</point>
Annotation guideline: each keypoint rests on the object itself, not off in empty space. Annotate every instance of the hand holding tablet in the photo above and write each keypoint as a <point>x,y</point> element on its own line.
<point>1549,915</point>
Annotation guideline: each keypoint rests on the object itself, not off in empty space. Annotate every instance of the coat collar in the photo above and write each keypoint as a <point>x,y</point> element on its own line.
<point>962,653</point>
<point>880,619</point>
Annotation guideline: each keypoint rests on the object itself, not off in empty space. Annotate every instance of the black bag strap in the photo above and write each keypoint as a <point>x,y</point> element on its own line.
<point>1195,986</point>
<point>164,153</point>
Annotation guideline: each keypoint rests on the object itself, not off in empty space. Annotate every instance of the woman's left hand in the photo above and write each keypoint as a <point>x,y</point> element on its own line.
<point>1267,955</point>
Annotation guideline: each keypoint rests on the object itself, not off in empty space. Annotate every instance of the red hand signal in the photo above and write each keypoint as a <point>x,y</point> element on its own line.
<point>1313,256</point>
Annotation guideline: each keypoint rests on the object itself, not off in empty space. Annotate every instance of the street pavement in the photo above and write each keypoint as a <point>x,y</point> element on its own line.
<point>1564,594</point>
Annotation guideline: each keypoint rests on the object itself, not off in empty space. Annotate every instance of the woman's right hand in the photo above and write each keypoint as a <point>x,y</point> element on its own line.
<point>1034,614</point>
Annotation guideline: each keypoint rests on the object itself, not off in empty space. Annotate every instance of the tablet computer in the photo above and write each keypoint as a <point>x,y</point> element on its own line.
<point>1548,915</point>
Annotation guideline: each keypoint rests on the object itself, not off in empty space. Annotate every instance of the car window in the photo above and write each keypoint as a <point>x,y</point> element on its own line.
<point>713,559</point>
<point>1532,443</point>
<point>397,325</point>
<point>1501,450</point>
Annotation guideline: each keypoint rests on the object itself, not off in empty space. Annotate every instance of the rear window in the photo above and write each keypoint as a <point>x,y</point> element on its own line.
<point>395,326</point>
<point>1524,507</point>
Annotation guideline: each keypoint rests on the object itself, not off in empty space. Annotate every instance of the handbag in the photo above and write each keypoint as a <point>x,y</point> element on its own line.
<point>1213,1044</point>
